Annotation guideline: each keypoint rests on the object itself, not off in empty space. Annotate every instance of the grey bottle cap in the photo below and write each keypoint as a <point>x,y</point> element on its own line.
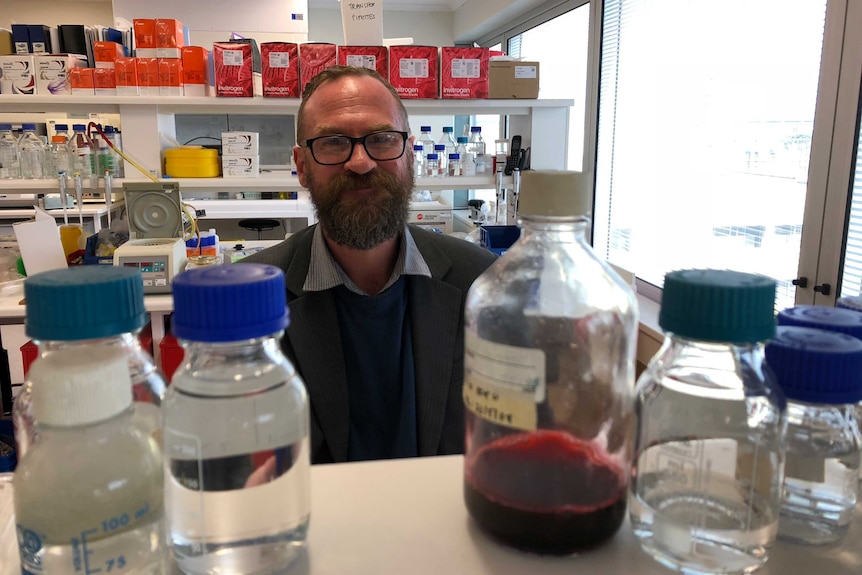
<point>554,193</point>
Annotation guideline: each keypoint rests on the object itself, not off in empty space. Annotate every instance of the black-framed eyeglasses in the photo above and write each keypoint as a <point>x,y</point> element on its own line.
<point>336,149</point>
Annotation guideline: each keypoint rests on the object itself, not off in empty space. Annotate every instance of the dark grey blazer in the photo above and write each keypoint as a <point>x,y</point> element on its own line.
<point>436,307</point>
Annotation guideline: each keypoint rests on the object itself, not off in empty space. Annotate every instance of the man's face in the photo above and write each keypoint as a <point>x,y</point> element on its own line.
<point>362,202</point>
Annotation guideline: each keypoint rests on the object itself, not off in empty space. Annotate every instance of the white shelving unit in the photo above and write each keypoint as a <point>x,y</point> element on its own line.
<point>542,124</point>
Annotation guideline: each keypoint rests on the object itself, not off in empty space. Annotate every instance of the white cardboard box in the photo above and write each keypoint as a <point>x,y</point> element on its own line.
<point>240,166</point>
<point>240,144</point>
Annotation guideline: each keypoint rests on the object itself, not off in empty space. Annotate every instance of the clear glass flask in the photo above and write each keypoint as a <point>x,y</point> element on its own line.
<point>707,483</point>
<point>548,377</point>
<point>31,153</point>
<point>236,426</point>
<point>89,492</point>
<point>819,372</point>
<point>76,308</point>
<point>10,168</point>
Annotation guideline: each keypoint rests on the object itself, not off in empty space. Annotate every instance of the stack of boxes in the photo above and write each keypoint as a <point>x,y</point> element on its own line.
<point>240,155</point>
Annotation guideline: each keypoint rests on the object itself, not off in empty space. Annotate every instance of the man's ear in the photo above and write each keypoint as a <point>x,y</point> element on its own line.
<point>299,162</point>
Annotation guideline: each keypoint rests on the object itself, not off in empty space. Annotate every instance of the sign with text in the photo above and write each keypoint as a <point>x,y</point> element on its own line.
<point>362,22</point>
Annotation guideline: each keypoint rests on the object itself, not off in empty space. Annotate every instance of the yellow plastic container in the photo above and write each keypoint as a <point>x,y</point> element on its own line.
<point>192,162</point>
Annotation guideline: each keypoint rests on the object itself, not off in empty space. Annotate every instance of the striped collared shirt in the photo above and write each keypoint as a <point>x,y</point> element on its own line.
<point>324,272</point>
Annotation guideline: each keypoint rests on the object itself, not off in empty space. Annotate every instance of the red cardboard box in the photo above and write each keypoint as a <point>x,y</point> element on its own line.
<point>170,77</point>
<point>414,71</point>
<point>126,72</point>
<point>234,70</point>
<point>105,81</point>
<point>170,38</point>
<point>196,71</point>
<point>280,61</point>
<point>145,37</point>
<point>463,73</point>
<point>148,76</point>
<point>106,53</point>
<point>313,59</point>
<point>373,57</point>
<point>81,81</point>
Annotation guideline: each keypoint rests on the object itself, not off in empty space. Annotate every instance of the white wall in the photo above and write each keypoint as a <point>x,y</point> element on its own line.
<point>54,12</point>
<point>431,28</point>
<point>476,18</point>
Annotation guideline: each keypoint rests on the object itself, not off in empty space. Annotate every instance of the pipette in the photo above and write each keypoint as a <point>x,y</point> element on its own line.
<point>79,196</point>
<point>109,194</point>
<point>61,176</point>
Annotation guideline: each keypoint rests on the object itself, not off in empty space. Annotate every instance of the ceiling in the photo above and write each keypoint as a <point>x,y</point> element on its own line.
<point>411,5</point>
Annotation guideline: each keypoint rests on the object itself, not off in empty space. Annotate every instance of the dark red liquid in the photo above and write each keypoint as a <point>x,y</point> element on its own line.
<point>546,492</point>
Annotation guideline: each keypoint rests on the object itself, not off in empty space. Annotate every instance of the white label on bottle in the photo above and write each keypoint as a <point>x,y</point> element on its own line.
<point>503,383</point>
<point>525,71</point>
<point>279,60</point>
<point>413,67</point>
<point>466,67</point>
<point>232,57</point>
<point>362,61</point>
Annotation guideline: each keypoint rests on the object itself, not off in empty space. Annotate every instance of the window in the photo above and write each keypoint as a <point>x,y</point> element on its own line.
<point>706,114</point>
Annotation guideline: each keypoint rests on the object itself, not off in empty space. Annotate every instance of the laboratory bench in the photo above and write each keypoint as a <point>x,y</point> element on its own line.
<point>94,214</point>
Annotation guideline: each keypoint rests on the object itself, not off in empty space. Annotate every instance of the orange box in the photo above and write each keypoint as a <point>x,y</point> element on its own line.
<point>170,38</point>
<point>148,76</point>
<point>106,53</point>
<point>82,82</point>
<point>126,72</point>
<point>105,81</point>
<point>170,77</point>
<point>145,37</point>
<point>373,57</point>
<point>197,78</point>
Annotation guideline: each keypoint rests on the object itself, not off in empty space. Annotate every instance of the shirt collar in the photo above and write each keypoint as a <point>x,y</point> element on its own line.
<point>324,272</point>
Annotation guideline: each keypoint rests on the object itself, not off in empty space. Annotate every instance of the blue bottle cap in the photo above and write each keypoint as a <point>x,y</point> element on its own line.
<point>5,126</point>
<point>439,147</point>
<point>823,317</point>
<point>431,157</point>
<point>448,129</point>
<point>77,127</point>
<point>462,139</point>
<point>815,365</point>
<point>85,302</point>
<point>229,303</point>
<point>61,127</point>
<point>718,305</point>
<point>418,147</point>
<point>28,127</point>
<point>454,156</point>
<point>425,129</point>
<point>475,129</point>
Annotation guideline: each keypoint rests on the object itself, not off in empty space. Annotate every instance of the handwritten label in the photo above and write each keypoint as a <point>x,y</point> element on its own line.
<point>362,23</point>
<point>503,383</point>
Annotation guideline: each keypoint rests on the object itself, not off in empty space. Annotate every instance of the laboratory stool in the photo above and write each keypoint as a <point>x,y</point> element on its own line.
<point>259,224</point>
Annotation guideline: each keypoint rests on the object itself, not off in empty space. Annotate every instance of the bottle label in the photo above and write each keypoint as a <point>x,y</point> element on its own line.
<point>503,383</point>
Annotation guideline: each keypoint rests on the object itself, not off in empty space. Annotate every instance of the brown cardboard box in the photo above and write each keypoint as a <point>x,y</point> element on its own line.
<point>510,79</point>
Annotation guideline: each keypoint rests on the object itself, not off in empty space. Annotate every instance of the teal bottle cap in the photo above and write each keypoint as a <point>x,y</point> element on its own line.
<point>85,302</point>
<point>718,305</point>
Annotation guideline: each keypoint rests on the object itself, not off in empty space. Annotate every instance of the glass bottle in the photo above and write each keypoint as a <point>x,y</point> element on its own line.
<point>236,426</point>
<point>76,308</point>
<point>432,165</point>
<point>418,160</point>
<point>477,148</point>
<point>442,160</point>
<point>59,154</point>
<point>468,163</point>
<point>90,490</point>
<point>548,375</point>
<point>818,371</point>
<point>115,136</point>
<point>708,460</point>
<point>10,167</point>
<point>455,167</point>
<point>81,150</point>
<point>426,140</point>
<point>62,130</point>
<point>31,153</point>
<point>448,140</point>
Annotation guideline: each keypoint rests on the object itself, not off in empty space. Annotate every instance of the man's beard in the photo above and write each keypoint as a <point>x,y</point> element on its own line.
<point>362,222</point>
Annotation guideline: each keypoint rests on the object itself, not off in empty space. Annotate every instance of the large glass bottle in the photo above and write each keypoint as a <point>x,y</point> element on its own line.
<point>89,492</point>
<point>706,489</point>
<point>549,371</point>
<point>236,426</point>
<point>75,308</point>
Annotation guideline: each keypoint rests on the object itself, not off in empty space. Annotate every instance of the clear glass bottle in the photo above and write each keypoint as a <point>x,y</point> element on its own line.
<point>432,165</point>
<point>426,140</point>
<point>477,149</point>
<point>62,130</point>
<point>31,153</point>
<point>448,139</point>
<point>818,371</point>
<point>236,426</point>
<point>468,162</point>
<point>10,168</point>
<point>91,487</point>
<point>455,168</point>
<point>548,374</point>
<point>442,160</point>
<point>708,459</point>
<point>418,160</point>
<point>81,151</point>
<point>76,308</point>
<point>116,138</point>
<point>61,161</point>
